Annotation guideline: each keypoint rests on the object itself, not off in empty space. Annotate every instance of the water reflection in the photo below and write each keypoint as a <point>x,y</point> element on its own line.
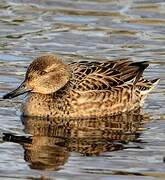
<point>53,139</point>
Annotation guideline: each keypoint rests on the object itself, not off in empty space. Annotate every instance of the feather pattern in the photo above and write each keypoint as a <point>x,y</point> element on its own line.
<point>83,89</point>
<point>105,75</point>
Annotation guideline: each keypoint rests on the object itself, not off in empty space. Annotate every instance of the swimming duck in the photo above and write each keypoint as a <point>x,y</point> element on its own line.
<point>82,89</point>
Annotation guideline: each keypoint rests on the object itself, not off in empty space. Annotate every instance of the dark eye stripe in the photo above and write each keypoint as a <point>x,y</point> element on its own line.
<point>42,72</point>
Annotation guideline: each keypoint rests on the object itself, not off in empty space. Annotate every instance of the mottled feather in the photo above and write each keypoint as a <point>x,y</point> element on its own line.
<point>83,89</point>
<point>105,75</point>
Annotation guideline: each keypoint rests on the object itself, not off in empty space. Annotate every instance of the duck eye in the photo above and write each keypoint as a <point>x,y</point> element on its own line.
<point>43,72</point>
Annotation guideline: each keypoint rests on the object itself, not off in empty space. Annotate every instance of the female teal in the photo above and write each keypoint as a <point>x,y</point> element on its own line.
<point>82,89</point>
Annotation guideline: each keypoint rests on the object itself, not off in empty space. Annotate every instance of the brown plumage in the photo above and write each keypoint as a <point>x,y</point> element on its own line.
<point>83,89</point>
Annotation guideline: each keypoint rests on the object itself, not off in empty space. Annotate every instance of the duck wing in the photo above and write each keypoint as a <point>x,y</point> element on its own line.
<point>105,75</point>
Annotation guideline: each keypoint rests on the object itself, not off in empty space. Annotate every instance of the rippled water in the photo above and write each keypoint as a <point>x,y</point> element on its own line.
<point>131,147</point>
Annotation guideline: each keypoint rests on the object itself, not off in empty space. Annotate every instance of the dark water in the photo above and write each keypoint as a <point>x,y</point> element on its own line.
<point>129,147</point>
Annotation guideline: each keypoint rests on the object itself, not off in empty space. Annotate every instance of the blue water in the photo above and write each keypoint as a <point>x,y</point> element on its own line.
<point>78,30</point>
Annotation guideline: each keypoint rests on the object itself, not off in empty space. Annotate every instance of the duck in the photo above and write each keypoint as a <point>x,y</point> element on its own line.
<point>84,89</point>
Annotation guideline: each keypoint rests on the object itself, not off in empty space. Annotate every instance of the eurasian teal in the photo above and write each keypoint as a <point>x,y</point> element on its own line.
<point>82,89</point>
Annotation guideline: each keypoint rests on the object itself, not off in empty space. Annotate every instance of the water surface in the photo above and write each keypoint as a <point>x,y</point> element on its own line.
<point>131,148</point>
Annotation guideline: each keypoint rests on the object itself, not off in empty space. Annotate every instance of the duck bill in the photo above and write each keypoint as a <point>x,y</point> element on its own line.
<point>19,91</point>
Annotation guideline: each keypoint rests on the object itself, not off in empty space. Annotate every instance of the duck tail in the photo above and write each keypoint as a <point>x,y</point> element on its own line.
<point>145,86</point>
<point>142,65</point>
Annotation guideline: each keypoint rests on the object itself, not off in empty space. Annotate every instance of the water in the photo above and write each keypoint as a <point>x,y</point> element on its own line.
<point>93,30</point>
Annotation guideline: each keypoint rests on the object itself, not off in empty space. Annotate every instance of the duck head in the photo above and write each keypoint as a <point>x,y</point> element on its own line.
<point>45,75</point>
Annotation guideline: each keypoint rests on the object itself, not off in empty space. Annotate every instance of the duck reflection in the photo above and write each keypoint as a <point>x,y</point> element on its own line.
<point>53,139</point>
